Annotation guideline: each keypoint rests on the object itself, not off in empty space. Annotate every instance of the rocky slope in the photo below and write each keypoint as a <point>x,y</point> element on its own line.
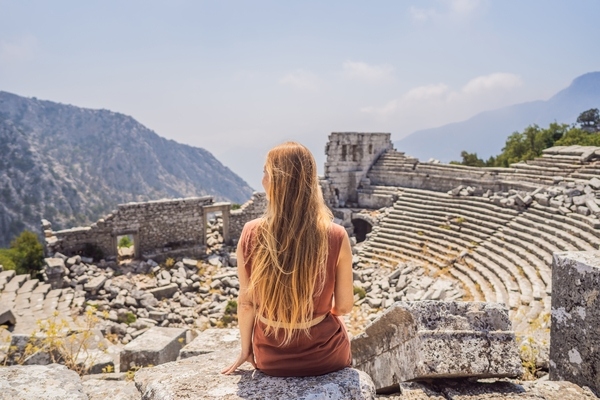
<point>70,165</point>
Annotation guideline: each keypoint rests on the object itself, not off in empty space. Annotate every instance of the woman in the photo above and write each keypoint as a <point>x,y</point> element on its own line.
<point>295,272</point>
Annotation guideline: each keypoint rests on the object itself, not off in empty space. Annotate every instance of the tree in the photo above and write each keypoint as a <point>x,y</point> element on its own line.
<point>27,253</point>
<point>471,159</point>
<point>589,120</point>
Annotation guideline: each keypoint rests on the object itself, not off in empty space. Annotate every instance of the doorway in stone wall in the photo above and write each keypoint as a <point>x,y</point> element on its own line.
<point>214,232</point>
<point>361,229</point>
<point>127,247</point>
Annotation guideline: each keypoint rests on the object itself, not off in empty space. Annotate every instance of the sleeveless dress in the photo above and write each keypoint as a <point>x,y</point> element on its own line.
<point>328,348</point>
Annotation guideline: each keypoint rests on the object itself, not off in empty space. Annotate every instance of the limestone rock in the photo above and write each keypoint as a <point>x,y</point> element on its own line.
<point>7,316</point>
<point>199,378</point>
<point>575,303</point>
<point>210,340</point>
<point>101,389</point>
<point>156,346</point>
<point>432,339</point>
<point>40,382</point>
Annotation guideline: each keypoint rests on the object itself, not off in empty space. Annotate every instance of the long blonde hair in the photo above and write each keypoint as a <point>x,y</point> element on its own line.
<point>290,251</point>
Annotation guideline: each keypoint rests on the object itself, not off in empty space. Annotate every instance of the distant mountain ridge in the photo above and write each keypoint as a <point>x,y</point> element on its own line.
<point>71,165</point>
<point>486,132</point>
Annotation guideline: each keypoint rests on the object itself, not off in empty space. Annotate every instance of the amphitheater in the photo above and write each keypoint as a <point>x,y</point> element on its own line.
<point>422,231</point>
<point>490,232</point>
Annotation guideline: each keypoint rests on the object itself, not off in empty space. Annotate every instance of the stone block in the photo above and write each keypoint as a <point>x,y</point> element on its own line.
<point>574,342</point>
<point>433,339</point>
<point>199,378</point>
<point>54,381</point>
<point>95,284</point>
<point>156,346</point>
<point>164,291</point>
<point>16,282</point>
<point>212,340</point>
<point>7,316</point>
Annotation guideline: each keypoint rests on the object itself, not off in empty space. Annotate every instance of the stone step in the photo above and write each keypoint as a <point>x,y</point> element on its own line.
<point>427,234</point>
<point>508,236</point>
<point>437,227</point>
<point>479,203</point>
<point>577,228</point>
<point>438,240</point>
<point>467,284</point>
<point>505,270</point>
<point>517,267</point>
<point>407,250</point>
<point>555,235</point>
<point>543,237</point>
<point>28,286</point>
<point>16,282</point>
<point>428,245</point>
<point>530,237</point>
<point>465,231</point>
<point>442,209</point>
<point>475,261</point>
<point>484,286</point>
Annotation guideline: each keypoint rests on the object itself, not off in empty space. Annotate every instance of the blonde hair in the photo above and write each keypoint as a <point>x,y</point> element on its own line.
<point>289,254</point>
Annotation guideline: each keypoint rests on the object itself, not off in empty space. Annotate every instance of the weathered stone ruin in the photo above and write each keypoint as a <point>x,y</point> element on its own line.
<point>575,344</point>
<point>159,228</point>
<point>473,247</point>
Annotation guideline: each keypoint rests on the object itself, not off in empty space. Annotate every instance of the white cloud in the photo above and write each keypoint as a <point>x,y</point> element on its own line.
<point>367,72</point>
<point>301,80</point>
<point>478,91</point>
<point>492,82</point>
<point>427,92</point>
<point>446,9</point>
<point>18,50</point>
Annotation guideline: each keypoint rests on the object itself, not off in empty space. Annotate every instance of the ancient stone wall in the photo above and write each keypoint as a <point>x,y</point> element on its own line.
<point>253,208</point>
<point>154,225</point>
<point>349,156</point>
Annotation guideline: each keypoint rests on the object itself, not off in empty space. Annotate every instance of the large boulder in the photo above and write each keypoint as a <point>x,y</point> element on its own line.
<point>434,339</point>
<point>200,378</point>
<point>574,339</point>
<point>40,382</point>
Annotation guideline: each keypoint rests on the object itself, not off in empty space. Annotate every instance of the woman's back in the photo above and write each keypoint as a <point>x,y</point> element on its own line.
<point>328,347</point>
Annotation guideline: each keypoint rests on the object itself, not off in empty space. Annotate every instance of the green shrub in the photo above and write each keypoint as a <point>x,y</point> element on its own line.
<point>360,292</point>
<point>235,206</point>
<point>25,256</point>
<point>128,318</point>
<point>125,242</point>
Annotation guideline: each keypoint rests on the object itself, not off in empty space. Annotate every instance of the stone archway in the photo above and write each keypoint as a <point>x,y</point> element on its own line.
<point>362,227</point>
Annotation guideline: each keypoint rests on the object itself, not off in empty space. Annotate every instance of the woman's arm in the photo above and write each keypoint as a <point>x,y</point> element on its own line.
<point>343,294</point>
<point>245,316</point>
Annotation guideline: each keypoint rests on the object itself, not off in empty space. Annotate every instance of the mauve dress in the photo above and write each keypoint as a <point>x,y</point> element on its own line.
<point>328,348</point>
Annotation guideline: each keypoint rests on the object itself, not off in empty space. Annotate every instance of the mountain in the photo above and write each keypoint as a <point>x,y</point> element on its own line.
<point>486,133</point>
<point>72,165</point>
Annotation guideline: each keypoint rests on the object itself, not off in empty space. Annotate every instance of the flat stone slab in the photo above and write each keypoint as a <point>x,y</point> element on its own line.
<point>100,389</point>
<point>574,355</point>
<point>40,382</point>
<point>16,282</point>
<point>95,284</point>
<point>434,339</point>
<point>199,378</point>
<point>164,291</point>
<point>212,340</point>
<point>28,286</point>
<point>156,346</point>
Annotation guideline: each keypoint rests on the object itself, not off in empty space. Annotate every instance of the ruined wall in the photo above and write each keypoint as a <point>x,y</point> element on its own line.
<point>253,208</point>
<point>154,225</point>
<point>349,156</point>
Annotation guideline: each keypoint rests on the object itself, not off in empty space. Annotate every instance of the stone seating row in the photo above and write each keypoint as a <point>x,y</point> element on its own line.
<point>510,265</point>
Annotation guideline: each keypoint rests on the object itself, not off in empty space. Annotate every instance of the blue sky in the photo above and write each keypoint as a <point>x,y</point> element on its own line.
<point>237,77</point>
